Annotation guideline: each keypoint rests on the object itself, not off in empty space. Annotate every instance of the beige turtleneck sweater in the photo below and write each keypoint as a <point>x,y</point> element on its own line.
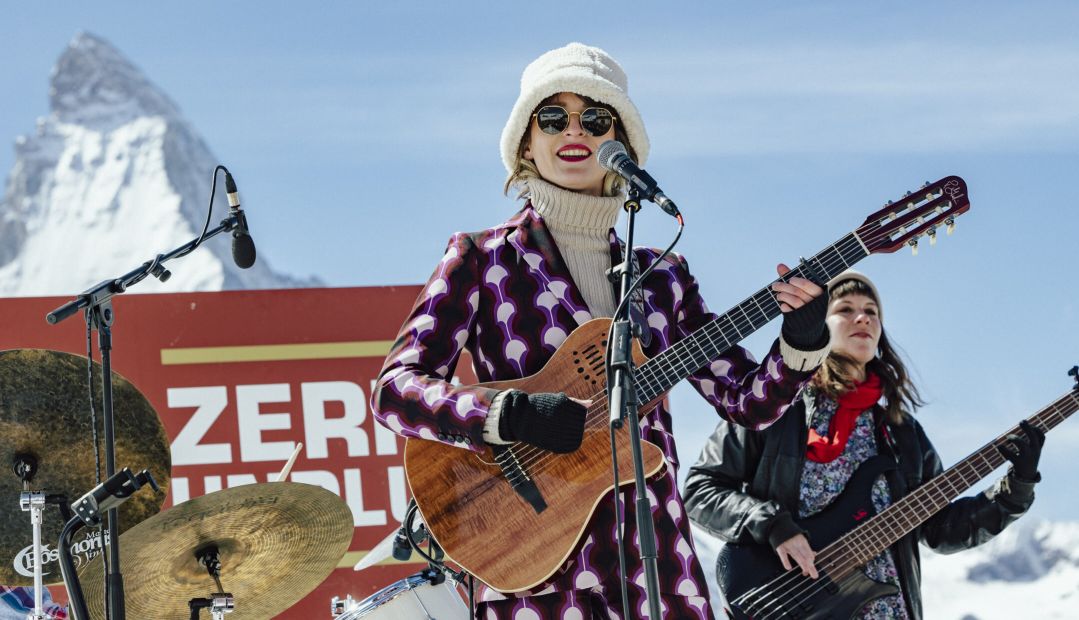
<point>580,225</point>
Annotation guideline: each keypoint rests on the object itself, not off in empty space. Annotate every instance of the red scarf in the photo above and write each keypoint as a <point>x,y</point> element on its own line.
<point>849,407</point>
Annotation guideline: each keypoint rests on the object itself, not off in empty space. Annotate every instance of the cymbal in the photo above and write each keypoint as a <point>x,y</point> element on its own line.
<point>277,541</point>
<point>44,413</point>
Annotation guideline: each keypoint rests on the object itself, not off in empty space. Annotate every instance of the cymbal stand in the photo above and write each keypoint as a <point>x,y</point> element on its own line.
<point>25,466</point>
<point>220,602</point>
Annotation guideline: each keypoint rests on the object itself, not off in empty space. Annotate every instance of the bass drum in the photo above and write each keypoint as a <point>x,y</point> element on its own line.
<point>412,598</point>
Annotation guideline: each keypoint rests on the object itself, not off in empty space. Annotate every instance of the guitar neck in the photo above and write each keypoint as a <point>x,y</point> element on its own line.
<point>862,544</point>
<point>659,374</point>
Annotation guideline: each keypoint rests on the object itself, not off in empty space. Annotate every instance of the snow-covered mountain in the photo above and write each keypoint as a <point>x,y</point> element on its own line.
<point>1031,570</point>
<point>111,177</point>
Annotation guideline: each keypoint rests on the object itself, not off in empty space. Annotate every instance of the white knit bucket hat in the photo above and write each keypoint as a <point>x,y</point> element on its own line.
<point>583,70</point>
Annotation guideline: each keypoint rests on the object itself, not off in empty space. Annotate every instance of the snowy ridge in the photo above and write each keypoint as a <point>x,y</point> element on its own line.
<point>110,178</point>
<point>1031,570</point>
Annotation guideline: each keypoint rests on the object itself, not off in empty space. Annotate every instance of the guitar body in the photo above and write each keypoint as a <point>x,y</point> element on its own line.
<point>741,569</point>
<point>482,523</point>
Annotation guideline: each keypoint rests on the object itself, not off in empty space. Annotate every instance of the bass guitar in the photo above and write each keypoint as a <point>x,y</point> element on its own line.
<point>849,533</point>
<point>472,502</point>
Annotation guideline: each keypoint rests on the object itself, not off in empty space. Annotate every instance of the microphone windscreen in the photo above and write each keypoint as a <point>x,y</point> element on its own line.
<point>608,151</point>
<point>243,250</point>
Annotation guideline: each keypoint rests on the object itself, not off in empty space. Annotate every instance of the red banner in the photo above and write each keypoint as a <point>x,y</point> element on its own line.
<point>240,378</point>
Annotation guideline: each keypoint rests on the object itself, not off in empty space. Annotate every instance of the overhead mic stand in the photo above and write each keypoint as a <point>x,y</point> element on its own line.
<point>622,398</point>
<point>96,302</point>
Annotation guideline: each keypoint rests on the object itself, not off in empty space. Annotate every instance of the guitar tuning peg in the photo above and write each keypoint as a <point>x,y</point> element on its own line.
<point>891,216</point>
<point>906,194</point>
<point>940,208</point>
<point>925,185</point>
<point>932,232</point>
<point>951,225</point>
<point>913,243</point>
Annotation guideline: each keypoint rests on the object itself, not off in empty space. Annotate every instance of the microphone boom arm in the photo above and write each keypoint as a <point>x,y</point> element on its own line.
<point>103,292</point>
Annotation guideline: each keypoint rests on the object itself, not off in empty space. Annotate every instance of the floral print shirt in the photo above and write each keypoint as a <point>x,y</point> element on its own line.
<point>822,483</point>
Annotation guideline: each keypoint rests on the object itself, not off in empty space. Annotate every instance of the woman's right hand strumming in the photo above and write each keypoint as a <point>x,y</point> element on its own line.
<point>797,548</point>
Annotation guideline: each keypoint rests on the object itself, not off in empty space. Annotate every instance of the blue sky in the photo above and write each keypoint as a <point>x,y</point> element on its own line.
<point>362,137</point>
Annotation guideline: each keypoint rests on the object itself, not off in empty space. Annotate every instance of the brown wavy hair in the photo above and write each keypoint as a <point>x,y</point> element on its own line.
<point>524,169</point>
<point>837,375</point>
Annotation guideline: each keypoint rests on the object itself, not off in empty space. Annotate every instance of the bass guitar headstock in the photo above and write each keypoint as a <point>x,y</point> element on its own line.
<point>904,221</point>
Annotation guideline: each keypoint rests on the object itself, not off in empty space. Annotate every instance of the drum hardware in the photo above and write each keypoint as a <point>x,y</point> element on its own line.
<point>220,602</point>
<point>103,499</point>
<point>424,596</point>
<point>25,466</point>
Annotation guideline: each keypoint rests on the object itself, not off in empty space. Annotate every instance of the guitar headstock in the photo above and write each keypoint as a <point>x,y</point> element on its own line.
<point>922,212</point>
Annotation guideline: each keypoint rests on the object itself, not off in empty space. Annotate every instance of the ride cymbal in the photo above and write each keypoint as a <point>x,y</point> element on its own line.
<point>45,418</point>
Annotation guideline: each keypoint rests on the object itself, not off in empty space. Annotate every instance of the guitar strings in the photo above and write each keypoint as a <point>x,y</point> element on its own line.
<point>534,458</point>
<point>988,454</point>
<point>832,557</point>
<point>530,452</point>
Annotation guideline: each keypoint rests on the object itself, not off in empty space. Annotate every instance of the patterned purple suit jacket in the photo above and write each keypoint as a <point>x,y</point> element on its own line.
<point>506,295</point>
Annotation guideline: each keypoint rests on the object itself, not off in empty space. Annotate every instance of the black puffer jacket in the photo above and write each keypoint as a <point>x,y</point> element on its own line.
<point>744,489</point>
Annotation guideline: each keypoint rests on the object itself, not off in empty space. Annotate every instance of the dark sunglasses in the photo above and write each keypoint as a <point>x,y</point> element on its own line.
<point>554,119</point>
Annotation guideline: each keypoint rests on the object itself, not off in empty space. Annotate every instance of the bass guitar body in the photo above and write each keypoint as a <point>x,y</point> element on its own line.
<point>742,568</point>
<point>513,517</point>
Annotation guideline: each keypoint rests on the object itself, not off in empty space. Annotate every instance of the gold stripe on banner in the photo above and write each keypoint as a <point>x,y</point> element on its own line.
<point>352,557</point>
<point>275,352</point>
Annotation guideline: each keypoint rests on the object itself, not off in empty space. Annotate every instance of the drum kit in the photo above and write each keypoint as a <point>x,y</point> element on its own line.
<point>250,551</point>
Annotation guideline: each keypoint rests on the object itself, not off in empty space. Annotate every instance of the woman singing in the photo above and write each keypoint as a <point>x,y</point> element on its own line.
<point>511,294</point>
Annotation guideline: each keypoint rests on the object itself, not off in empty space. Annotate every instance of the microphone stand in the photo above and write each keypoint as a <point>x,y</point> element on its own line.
<point>97,304</point>
<point>622,398</point>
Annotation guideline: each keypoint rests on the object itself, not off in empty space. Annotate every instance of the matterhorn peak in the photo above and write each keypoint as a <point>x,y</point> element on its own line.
<point>94,84</point>
<point>113,176</point>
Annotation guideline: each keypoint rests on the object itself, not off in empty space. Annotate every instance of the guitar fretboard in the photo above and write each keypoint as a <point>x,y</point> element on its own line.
<point>693,352</point>
<point>859,546</point>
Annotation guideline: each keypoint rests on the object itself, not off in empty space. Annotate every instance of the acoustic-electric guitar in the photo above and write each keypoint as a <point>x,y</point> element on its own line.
<point>512,519</point>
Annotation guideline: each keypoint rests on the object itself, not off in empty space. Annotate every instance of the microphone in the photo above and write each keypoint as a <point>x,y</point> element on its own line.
<point>612,155</point>
<point>243,246</point>
<point>402,551</point>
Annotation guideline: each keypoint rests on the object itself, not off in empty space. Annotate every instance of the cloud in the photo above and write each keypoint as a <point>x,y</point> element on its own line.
<point>913,96</point>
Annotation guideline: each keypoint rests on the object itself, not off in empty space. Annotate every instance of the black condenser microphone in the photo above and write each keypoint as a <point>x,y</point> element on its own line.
<point>243,246</point>
<point>612,155</point>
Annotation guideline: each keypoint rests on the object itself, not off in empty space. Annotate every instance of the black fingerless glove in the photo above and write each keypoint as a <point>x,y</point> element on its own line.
<point>804,328</point>
<point>1024,452</point>
<point>550,421</point>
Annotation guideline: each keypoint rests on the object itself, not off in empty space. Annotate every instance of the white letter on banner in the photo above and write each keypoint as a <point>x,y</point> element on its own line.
<point>354,497</point>
<point>252,422</point>
<point>324,479</point>
<point>318,428</point>
<point>398,497</point>
<point>209,402</point>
